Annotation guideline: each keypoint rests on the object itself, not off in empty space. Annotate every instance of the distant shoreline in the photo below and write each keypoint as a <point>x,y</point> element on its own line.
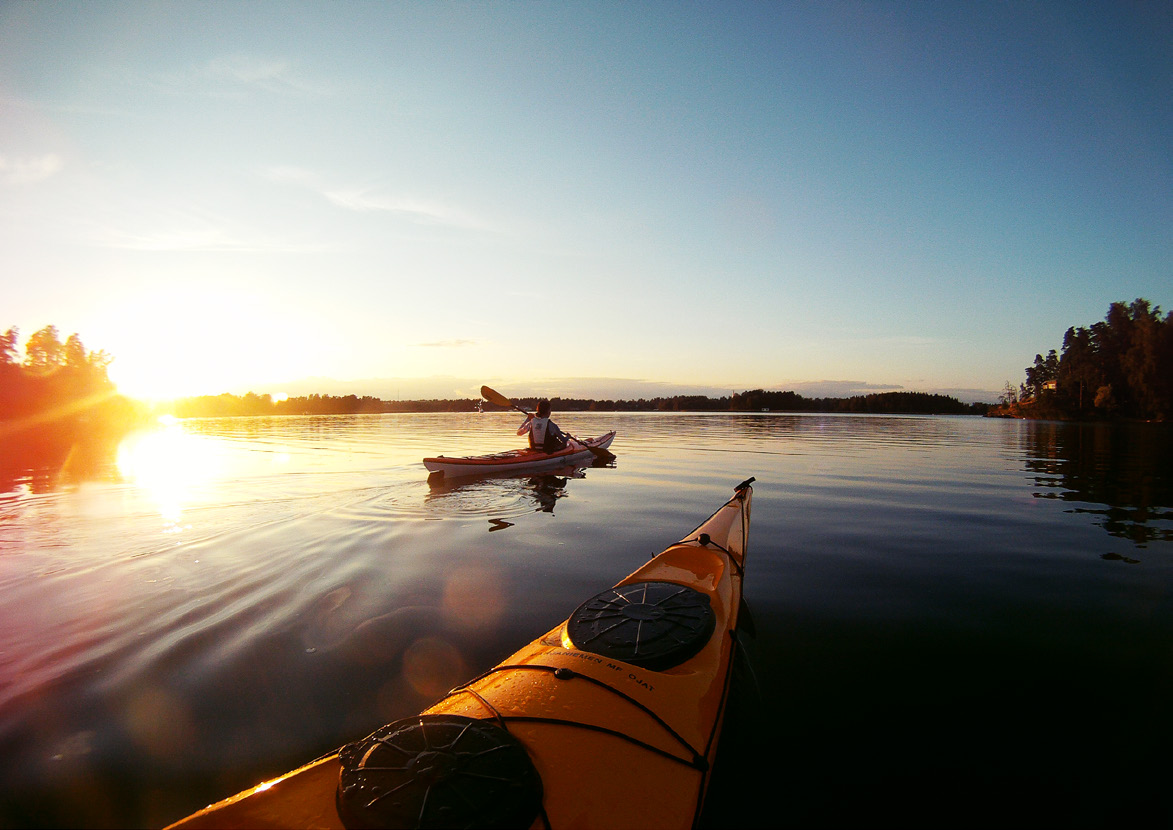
<point>891,403</point>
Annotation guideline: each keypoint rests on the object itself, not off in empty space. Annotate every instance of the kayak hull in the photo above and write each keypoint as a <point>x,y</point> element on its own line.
<point>607,741</point>
<point>520,460</point>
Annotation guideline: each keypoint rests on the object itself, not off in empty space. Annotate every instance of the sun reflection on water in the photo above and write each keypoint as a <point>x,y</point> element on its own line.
<point>169,464</point>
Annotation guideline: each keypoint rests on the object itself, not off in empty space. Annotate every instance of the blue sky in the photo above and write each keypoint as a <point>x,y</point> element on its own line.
<point>613,199</point>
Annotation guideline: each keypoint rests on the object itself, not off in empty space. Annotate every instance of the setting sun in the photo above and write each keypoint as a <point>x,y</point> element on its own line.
<point>201,341</point>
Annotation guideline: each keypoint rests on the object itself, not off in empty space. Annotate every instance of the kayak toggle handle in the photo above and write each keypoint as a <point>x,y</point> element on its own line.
<point>745,483</point>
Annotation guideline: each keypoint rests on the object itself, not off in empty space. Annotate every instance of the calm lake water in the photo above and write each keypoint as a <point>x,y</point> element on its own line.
<point>960,621</point>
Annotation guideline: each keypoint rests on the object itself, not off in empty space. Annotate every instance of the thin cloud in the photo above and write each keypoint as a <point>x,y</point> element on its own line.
<point>17,171</point>
<point>429,213</point>
<point>837,388</point>
<point>234,76</point>
<point>88,108</point>
<point>184,231</point>
<point>606,388</point>
<point>363,199</point>
<point>448,344</point>
<point>270,75</point>
<point>181,239</point>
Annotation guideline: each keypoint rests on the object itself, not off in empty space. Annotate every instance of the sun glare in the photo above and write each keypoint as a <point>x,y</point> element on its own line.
<point>172,343</point>
<point>168,464</point>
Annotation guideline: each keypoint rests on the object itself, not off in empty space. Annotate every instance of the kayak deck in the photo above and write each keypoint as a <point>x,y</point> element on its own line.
<point>518,459</point>
<point>609,719</point>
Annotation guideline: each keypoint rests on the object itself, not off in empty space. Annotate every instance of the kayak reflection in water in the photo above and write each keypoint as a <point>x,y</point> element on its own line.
<point>544,434</point>
<point>501,497</point>
<point>546,490</point>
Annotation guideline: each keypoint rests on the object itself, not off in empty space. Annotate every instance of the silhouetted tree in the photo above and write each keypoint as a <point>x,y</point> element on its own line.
<point>44,351</point>
<point>1140,363</point>
<point>9,350</point>
<point>53,375</point>
<point>1122,365</point>
<point>1080,372</point>
<point>59,407</point>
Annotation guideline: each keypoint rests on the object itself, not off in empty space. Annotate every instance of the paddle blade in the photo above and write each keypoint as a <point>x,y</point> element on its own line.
<point>495,397</point>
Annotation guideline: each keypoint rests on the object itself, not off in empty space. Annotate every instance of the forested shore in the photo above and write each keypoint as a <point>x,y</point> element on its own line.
<point>58,408</point>
<point>1119,368</point>
<point>58,389</point>
<point>58,383</point>
<point>756,400</point>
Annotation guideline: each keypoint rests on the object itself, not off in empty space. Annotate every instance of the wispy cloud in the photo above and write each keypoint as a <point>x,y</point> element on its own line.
<point>605,388</point>
<point>448,344</point>
<point>837,388</point>
<point>26,170</point>
<point>267,74</point>
<point>234,76</point>
<point>189,231</point>
<point>176,239</point>
<point>369,199</point>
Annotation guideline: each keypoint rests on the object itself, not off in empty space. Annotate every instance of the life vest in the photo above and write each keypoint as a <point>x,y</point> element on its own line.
<point>537,432</point>
<point>544,434</point>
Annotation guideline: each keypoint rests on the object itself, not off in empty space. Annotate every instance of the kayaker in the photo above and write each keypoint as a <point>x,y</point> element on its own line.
<point>543,433</point>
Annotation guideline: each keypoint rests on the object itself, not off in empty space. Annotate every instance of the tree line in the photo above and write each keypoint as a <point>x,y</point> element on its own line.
<point>54,379</point>
<point>59,411</point>
<point>62,383</point>
<point>1121,367</point>
<point>227,405</point>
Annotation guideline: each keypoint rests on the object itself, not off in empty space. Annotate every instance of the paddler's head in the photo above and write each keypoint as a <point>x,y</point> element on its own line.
<point>543,408</point>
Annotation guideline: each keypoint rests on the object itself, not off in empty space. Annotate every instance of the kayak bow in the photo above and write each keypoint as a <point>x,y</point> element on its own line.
<point>610,719</point>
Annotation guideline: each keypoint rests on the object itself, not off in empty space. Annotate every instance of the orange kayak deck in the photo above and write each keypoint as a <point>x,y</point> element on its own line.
<point>611,719</point>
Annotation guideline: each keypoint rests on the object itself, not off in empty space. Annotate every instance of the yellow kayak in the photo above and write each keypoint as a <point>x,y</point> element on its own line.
<point>609,720</point>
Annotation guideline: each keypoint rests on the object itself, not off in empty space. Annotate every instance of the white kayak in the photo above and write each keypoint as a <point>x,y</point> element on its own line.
<point>578,451</point>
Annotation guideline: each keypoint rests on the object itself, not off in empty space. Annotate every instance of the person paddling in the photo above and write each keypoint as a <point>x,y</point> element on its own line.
<point>544,434</point>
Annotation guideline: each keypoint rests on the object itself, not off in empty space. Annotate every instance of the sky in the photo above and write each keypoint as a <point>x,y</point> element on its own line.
<point>601,199</point>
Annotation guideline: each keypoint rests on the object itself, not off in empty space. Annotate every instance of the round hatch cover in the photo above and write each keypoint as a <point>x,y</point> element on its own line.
<point>654,625</point>
<point>436,771</point>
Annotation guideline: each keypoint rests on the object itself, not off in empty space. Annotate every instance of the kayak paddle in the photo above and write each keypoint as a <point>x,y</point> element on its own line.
<point>494,397</point>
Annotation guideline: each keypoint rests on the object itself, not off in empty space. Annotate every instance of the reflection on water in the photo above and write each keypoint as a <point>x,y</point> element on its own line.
<point>232,597</point>
<point>1119,474</point>
<point>44,459</point>
<point>504,495</point>
<point>167,464</point>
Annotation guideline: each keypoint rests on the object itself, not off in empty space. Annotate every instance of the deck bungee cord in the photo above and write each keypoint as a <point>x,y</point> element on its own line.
<point>612,718</point>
